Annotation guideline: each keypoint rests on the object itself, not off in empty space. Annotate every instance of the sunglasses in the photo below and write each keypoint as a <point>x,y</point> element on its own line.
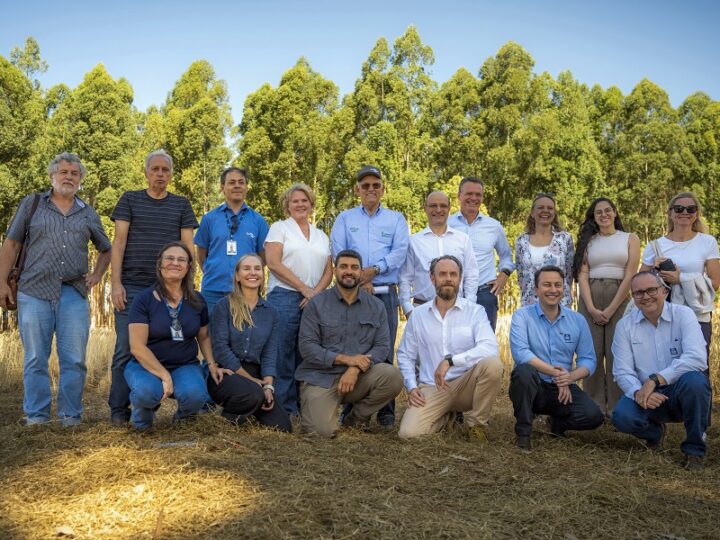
<point>679,208</point>
<point>375,186</point>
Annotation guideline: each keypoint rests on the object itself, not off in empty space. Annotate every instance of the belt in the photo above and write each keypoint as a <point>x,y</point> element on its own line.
<point>485,287</point>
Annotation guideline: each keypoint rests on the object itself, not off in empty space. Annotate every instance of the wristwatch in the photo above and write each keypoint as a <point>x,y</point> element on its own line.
<point>655,379</point>
<point>449,359</point>
<point>377,269</point>
<point>507,272</point>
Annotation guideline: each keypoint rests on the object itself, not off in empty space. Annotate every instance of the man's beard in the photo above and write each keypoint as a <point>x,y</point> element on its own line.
<point>447,292</point>
<point>352,282</point>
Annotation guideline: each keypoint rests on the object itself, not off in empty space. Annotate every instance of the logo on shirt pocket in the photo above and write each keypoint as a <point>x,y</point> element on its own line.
<point>354,229</point>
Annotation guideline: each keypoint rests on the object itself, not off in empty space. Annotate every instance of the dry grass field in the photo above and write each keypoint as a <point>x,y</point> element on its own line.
<point>211,480</point>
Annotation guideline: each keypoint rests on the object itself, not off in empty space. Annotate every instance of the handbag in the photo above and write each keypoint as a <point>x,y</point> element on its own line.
<point>14,275</point>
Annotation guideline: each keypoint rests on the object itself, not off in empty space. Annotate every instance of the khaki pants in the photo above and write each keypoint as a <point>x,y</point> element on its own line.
<point>601,386</point>
<point>374,388</point>
<point>474,394</point>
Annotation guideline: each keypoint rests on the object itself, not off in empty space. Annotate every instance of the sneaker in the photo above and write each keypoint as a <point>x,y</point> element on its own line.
<point>477,434</point>
<point>694,463</point>
<point>523,442</point>
<point>657,446</point>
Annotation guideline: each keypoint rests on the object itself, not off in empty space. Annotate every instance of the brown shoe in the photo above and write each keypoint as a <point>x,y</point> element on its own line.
<point>694,463</point>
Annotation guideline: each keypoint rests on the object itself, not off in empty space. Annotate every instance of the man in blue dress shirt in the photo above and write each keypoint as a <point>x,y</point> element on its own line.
<point>488,237</point>
<point>660,357</point>
<point>381,237</point>
<point>544,338</point>
<point>227,233</point>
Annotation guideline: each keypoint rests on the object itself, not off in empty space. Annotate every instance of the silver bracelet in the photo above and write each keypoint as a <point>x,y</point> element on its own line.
<point>269,386</point>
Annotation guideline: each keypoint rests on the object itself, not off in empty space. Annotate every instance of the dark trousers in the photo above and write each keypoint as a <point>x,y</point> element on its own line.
<point>119,398</point>
<point>490,302</point>
<point>688,402</point>
<point>531,395</point>
<point>241,398</point>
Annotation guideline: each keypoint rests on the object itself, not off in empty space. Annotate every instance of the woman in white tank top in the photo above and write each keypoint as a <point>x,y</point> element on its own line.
<point>605,261</point>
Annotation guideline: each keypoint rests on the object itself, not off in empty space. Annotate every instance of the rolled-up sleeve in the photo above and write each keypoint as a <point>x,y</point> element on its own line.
<point>623,364</point>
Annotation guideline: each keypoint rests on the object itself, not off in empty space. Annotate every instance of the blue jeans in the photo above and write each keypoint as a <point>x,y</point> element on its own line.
<point>119,398</point>
<point>212,298</point>
<point>146,391</point>
<point>688,402</point>
<point>490,302</point>
<point>69,320</point>
<point>287,304</point>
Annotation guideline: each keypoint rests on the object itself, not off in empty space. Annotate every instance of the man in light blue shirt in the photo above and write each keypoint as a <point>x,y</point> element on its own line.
<point>544,338</point>
<point>660,357</point>
<point>488,237</point>
<point>227,233</point>
<point>381,237</point>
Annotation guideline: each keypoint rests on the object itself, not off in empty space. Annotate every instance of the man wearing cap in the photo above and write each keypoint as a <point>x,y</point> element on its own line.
<point>659,362</point>
<point>435,240</point>
<point>488,237</point>
<point>226,233</point>
<point>381,237</point>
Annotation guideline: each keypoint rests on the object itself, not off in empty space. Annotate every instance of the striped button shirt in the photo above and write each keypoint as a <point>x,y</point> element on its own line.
<point>57,245</point>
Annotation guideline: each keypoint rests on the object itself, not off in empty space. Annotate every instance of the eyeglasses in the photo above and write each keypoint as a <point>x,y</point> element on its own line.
<point>367,187</point>
<point>679,208</point>
<point>172,259</point>
<point>652,292</point>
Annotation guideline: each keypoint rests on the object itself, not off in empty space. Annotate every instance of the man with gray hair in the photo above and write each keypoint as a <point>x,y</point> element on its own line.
<point>659,362</point>
<point>145,220</point>
<point>55,228</point>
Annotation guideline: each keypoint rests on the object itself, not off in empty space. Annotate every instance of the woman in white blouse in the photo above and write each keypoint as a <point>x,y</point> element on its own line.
<point>694,256</point>
<point>298,256</point>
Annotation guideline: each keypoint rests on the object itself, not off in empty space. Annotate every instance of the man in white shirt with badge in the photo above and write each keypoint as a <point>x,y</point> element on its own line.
<point>659,362</point>
<point>459,368</point>
<point>433,241</point>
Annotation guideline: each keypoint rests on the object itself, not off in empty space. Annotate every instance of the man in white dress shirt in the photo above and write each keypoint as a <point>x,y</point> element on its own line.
<point>433,241</point>
<point>459,368</point>
<point>659,363</point>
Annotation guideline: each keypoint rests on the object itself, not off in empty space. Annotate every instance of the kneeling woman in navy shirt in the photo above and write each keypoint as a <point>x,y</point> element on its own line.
<point>244,330</point>
<point>166,323</point>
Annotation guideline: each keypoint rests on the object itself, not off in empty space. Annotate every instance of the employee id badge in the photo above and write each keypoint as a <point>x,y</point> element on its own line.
<point>231,247</point>
<point>176,333</point>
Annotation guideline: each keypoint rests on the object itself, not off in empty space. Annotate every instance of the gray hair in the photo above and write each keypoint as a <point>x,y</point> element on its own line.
<point>161,152</point>
<point>70,158</point>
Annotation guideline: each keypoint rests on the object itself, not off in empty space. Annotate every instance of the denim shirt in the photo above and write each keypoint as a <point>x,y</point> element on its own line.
<point>256,344</point>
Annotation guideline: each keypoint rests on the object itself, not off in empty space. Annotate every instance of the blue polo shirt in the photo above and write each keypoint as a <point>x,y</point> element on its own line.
<point>533,335</point>
<point>213,235</point>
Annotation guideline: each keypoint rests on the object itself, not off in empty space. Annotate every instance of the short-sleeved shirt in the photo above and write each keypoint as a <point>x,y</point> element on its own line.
<point>306,258</point>
<point>57,245</point>
<point>153,223</point>
<point>690,257</point>
<point>213,235</point>
<point>146,309</point>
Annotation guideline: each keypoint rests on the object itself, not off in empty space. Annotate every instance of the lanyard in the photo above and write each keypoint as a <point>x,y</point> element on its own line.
<point>234,222</point>
<point>174,314</point>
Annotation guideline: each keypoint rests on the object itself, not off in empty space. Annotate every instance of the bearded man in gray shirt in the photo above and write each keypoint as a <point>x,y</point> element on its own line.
<point>344,341</point>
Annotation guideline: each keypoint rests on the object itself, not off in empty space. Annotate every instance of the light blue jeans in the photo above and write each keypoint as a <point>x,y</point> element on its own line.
<point>146,391</point>
<point>69,320</point>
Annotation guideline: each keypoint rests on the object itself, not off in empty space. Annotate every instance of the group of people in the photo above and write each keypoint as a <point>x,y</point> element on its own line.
<point>306,347</point>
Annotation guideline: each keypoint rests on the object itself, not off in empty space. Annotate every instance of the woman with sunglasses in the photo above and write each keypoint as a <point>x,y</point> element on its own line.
<point>245,337</point>
<point>167,322</point>
<point>687,259</point>
<point>606,259</point>
<point>544,243</point>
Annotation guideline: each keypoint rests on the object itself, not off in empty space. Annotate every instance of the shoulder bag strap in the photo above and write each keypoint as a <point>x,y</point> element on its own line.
<point>23,251</point>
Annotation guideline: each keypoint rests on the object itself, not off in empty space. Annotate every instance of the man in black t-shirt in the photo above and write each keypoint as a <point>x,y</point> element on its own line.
<point>145,220</point>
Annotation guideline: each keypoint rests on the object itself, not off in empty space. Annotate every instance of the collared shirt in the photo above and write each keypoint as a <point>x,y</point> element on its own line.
<point>257,344</point>
<point>57,245</point>
<point>329,326</point>
<point>424,247</point>
<point>464,332</point>
<point>671,349</point>
<point>152,224</point>
<point>533,335</point>
<point>213,235</point>
<point>381,240</point>
<point>487,235</point>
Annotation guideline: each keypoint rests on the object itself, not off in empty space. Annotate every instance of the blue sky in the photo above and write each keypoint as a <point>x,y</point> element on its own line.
<point>152,43</point>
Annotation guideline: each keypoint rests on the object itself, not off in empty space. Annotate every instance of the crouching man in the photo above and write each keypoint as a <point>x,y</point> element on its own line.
<point>459,367</point>
<point>344,341</point>
<point>659,362</point>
